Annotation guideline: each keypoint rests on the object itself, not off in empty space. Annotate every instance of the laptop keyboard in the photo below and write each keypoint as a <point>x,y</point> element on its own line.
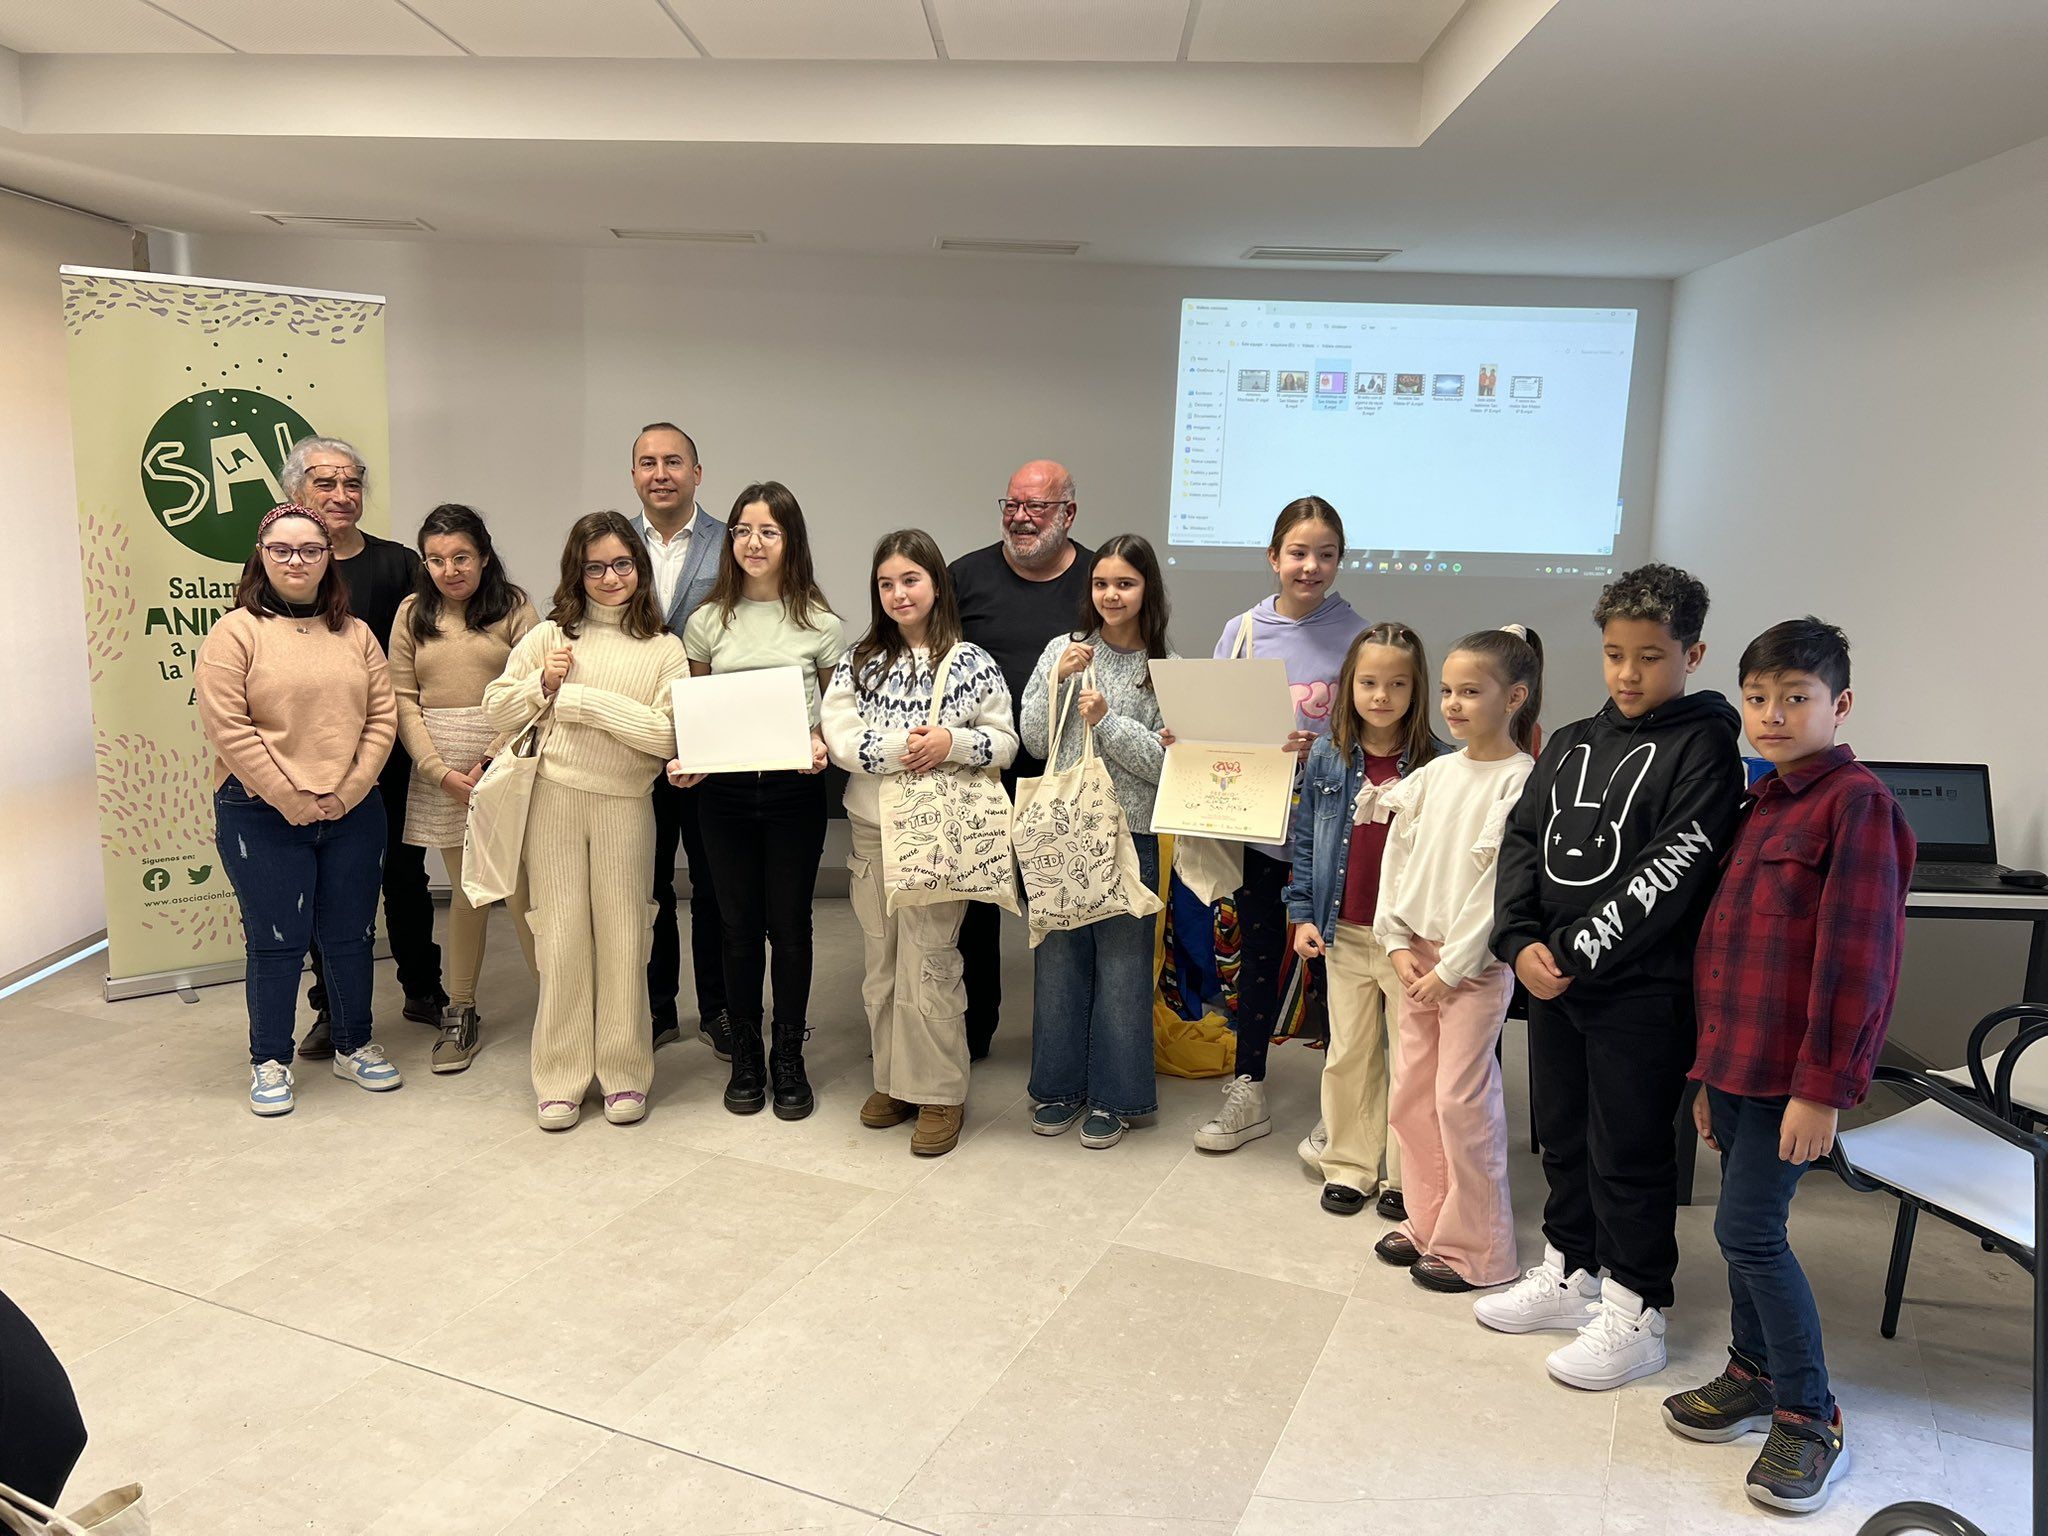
<point>1971,873</point>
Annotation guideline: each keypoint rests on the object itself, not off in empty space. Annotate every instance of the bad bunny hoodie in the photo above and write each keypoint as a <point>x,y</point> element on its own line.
<point>1613,851</point>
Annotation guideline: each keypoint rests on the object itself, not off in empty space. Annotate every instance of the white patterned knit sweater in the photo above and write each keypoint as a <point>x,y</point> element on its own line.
<point>1127,738</point>
<point>867,730</point>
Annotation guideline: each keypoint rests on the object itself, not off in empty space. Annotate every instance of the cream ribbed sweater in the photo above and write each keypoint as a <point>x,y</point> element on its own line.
<point>613,724</point>
<point>449,671</point>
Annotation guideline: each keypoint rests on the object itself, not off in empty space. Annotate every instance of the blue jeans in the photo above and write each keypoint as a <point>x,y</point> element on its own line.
<point>1776,1323</point>
<point>296,886</point>
<point>1091,1013</point>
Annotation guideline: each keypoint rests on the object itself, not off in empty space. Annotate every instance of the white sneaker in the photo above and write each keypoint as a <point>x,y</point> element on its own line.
<point>1544,1298</point>
<point>270,1088</point>
<point>1243,1118</point>
<point>1623,1340</point>
<point>1312,1147</point>
<point>368,1066</point>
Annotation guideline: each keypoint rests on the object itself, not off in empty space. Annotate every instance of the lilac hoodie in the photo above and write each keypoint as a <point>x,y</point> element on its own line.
<point>1313,648</point>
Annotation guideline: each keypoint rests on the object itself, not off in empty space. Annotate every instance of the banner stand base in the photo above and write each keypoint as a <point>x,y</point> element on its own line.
<point>120,989</point>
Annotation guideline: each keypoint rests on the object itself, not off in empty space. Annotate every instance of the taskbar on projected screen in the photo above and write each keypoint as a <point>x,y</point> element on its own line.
<point>1411,563</point>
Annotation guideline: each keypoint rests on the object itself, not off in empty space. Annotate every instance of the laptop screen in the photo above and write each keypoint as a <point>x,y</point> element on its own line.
<point>1948,806</point>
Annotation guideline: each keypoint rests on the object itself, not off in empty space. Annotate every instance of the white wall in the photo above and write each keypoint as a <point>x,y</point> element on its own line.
<point>884,392</point>
<point>1855,420</point>
<point>52,894</point>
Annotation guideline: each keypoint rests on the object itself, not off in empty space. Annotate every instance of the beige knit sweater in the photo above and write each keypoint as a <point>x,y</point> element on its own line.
<point>614,726</point>
<point>450,671</point>
<point>292,707</point>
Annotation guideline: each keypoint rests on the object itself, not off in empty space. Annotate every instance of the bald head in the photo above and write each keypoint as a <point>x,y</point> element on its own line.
<point>1038,510</point>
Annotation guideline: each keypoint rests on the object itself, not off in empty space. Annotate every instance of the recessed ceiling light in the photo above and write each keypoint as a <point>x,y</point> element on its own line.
<point>971,247</point>
<point>695,236</point>
<point>343,221</point>
<point>1352,254</point>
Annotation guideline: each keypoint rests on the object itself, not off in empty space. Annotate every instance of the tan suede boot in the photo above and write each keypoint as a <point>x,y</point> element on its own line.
<point>880,1112</point>
<point>938,1129</point>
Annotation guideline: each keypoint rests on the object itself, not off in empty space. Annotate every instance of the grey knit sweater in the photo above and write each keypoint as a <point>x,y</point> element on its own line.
<point>1127,740</point>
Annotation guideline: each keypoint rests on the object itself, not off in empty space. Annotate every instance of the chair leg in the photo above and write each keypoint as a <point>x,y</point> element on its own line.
<point>1688,1139</point>
<point>1895,1277</point>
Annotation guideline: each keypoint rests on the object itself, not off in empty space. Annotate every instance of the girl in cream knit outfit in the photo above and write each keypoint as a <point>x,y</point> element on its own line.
<point>606,662</point>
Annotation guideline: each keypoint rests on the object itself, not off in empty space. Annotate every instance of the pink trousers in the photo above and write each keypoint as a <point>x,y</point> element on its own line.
<point>1447,1112</point>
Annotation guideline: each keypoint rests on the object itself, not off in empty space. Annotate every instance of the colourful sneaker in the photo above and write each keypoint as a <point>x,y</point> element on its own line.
<point>625,1108</point>
<point>1797,1463</point>
<point>270,1088</point>
<point>559,1114</point>
<point>367,1067</point>
<point>1735,1403</point>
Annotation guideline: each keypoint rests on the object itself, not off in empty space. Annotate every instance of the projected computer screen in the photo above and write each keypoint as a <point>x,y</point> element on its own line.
<point>1484,440</point>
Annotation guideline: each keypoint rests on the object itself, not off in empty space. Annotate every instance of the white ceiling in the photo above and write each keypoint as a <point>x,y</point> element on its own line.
<point>1618,138</point>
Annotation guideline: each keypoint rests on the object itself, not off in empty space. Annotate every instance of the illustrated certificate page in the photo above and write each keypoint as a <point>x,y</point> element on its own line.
<point>1228,772</point>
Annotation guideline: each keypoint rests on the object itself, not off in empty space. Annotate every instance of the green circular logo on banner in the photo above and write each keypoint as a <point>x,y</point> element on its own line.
<point>210,468</point>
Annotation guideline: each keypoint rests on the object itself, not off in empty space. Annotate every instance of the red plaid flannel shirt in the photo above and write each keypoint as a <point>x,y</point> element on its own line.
<point>1798,960</point>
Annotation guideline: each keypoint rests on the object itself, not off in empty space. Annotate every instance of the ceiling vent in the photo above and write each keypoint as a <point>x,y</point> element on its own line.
<point>344,221</point>
<point>694,236</point>
<point>1351,255</point>
<point>1009,247</point>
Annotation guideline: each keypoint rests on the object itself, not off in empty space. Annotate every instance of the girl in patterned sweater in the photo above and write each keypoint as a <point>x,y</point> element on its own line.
<point>877,720</point>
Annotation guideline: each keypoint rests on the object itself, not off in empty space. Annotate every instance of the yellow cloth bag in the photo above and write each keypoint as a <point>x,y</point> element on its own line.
<point>1204,1047</point>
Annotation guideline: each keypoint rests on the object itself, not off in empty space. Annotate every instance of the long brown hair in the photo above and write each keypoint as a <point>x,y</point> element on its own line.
<point>255,593</point>
<point>495,596</point>
<point>640,619</point>
<point>1137,553</point>
<point>1347,725</point>
<point>878,651</point>
<point>1305,509</point>
<point>801,595</point>
<point>1514,656</point>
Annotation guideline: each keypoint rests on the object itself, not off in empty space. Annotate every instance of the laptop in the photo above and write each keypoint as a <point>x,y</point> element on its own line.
<point>1948,806</point>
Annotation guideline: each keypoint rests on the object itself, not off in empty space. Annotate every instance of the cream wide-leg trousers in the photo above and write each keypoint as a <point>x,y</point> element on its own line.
<point>916,999</point>
<point>1365,996</point>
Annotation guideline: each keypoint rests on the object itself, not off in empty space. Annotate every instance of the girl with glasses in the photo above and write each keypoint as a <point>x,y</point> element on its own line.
<point>764,832</point>
<point>603,662</point>
<point>450,640</point>
<point>296,702</point>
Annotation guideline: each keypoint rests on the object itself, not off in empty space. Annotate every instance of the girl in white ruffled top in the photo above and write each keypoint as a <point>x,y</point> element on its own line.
<point>1435,913</point>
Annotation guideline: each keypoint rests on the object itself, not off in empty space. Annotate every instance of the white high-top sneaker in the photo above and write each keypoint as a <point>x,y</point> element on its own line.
<point>1312,1146</point>
<point>1622,1340</point>
<point>1243,1118</point>
<point>1544,1298</point>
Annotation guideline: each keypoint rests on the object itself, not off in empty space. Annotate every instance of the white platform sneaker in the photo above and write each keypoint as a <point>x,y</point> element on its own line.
<point>1622,1341</point>
<point>1243,1118</point>
<point>1544,1298</point>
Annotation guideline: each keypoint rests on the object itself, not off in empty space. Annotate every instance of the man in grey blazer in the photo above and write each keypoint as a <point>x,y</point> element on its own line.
<point>683,544</point>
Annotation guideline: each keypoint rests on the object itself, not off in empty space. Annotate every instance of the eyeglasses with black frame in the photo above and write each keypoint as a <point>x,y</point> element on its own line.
<point>1037,511</point>
<point>295,554</point>
<point>593,570</point>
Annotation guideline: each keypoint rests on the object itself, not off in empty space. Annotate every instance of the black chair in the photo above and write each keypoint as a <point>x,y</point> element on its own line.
<point>1916,1516</point>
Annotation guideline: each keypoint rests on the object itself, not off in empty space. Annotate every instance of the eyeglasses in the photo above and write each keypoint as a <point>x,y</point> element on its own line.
<point>327,485</point>
<point>1037,511</point>
<point>594,570</point>
<point>770,536</point>
<point>450,563</point>
<point>300,554</point>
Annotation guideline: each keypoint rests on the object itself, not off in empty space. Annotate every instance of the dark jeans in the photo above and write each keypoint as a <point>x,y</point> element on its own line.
<point>981,960</point>
<point>408,905</point>
<point>1606,1075</point>
<point>1262,932</point>
<point>1091,1015</point>
<point>764,833</point>
<point>1776,1325</point>
<point>41,1433</point>
<point>299,886</point>
<point>677,818</point>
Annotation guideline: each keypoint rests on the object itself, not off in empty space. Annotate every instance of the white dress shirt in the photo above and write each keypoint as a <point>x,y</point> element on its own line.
<point>668,557</point>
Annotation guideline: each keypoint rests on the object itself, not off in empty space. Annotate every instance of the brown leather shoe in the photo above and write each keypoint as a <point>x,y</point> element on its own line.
<point>938,1129</point>
<point>880,1112</point>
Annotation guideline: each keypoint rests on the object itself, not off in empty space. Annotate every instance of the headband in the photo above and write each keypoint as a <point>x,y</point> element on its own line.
<point>293,509</point>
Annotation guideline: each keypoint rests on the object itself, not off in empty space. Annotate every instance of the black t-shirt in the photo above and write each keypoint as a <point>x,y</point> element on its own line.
<point>379,579</point>
<point>1012,618</point>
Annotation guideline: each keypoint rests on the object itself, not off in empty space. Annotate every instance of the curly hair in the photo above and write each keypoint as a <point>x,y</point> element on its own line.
<point>1661,593</point>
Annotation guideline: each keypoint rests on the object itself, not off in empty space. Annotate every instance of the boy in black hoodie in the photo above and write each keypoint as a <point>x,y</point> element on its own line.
<point>1606,871</point>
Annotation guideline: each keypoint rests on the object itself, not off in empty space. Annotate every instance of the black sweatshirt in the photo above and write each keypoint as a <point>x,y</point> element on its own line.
<point>1612,853</point>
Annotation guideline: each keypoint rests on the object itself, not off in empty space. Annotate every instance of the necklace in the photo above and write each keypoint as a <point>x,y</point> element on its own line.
<point>290,611</point>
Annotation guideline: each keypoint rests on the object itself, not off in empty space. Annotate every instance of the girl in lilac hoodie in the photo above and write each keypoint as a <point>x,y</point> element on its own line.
<point>1308,626</point>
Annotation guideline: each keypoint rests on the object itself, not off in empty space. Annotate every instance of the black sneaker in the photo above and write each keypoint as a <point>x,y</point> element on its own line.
<point>1392,1207</point>
<point>667,1031</point>
<point>716,1032</point>
<point>1735,1403</point>
<point>319,1042</point>
<point>425,1010</point>
<point>1797,1463</point>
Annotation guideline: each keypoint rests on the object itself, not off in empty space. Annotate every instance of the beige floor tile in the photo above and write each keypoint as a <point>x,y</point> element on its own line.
<point>78,1307</point>
<point>630,1488</point>
<point>1990,1484</point>
<point>1154,1394</point>
<point>852,1378</point>
<point>660,1284</point>
<point>1467,1515</point>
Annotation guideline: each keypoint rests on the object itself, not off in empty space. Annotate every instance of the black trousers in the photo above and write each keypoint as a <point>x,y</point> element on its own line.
<point>1605,1078</point>
<point>1262,931</point>
<point>981,960</point>
<point>41,1432</point>
<point>765,833</point>
<point>408,906</point>
<point>678,818</point>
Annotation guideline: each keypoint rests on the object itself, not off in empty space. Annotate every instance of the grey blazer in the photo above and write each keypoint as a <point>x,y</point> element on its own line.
<point>700,569</point>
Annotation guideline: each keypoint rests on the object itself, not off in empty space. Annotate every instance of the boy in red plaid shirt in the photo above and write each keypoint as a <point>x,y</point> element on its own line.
<point>1795,975</point>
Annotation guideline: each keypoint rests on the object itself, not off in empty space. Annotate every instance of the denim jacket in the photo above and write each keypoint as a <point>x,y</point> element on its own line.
<point>1321,833</point>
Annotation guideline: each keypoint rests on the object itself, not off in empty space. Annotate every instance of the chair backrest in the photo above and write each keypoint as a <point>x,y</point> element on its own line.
<point>1917,1515</point>
<point>1997,1091</point>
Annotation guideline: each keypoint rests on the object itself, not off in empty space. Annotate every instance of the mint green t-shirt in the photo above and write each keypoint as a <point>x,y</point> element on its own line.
<point>762,635</point>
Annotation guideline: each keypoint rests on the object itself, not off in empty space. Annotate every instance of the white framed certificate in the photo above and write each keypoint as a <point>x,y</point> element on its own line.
<point>1228,772</point>
<point>742,722</point>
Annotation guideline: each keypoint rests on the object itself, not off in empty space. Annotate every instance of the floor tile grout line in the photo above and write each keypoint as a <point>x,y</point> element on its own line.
<point>1294,1408</point>
<point>428,1370</point>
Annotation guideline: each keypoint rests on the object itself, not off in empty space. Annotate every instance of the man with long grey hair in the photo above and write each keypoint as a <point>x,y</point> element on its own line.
<point>329,476</point>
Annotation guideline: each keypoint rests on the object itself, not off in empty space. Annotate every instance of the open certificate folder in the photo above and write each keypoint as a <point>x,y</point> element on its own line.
<point>1228,772</point>
<point>742,722</point>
